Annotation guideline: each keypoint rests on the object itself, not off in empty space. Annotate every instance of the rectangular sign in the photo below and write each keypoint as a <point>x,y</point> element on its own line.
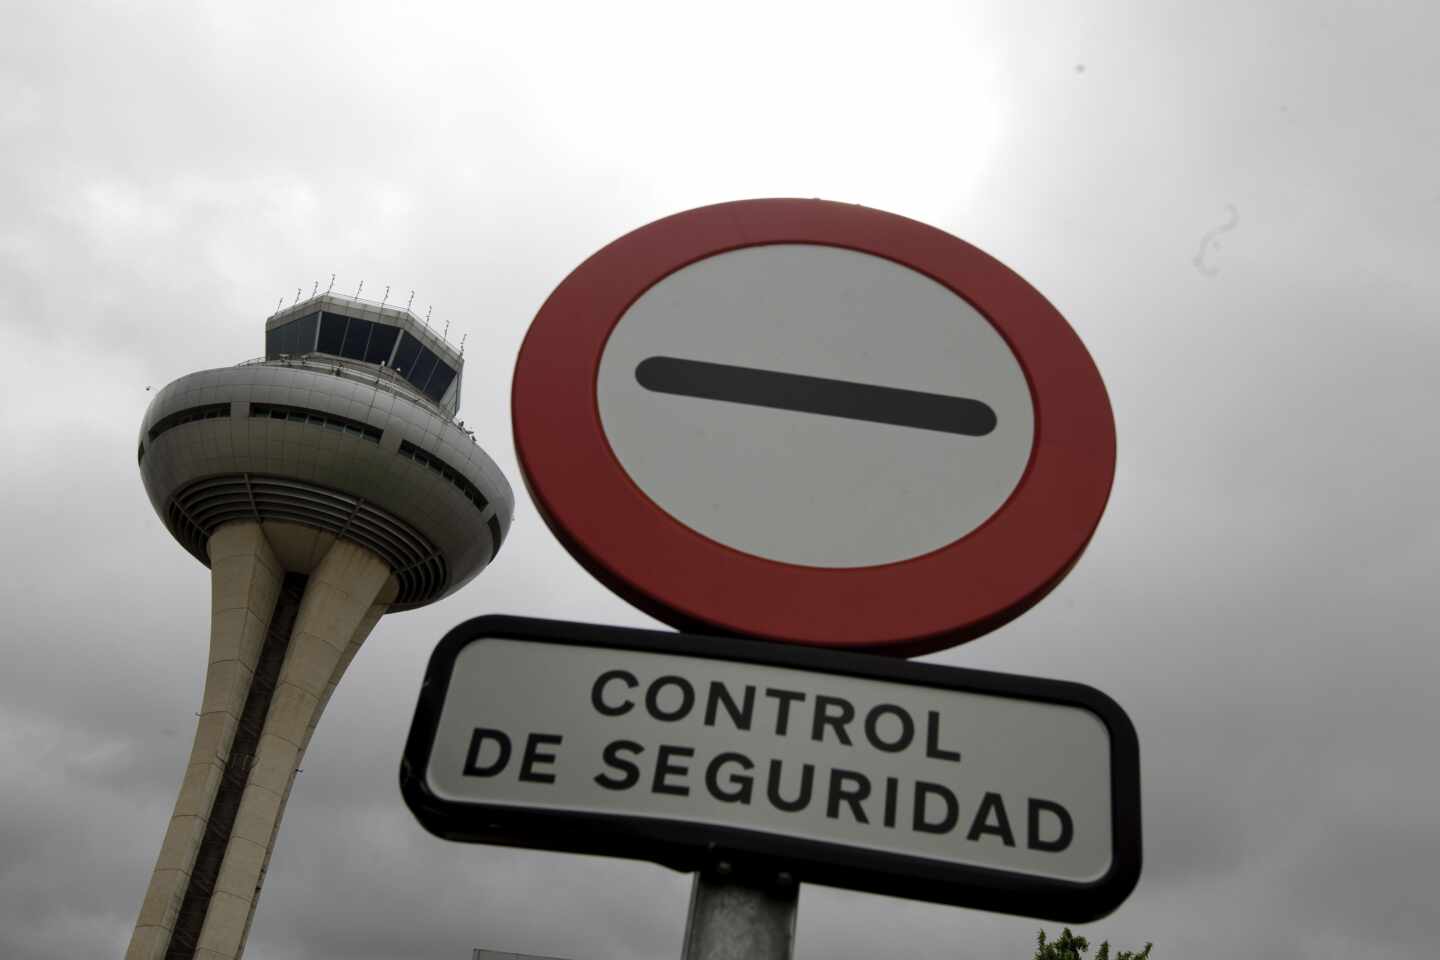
<point>978,789</point>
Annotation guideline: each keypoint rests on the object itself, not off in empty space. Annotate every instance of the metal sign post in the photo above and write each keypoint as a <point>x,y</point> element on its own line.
<point>735,917</point>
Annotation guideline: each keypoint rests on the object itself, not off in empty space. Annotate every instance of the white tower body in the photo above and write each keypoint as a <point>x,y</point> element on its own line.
<point>323,486</point>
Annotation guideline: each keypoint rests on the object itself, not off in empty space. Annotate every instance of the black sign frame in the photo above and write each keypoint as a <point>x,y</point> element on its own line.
<point>689,846</point>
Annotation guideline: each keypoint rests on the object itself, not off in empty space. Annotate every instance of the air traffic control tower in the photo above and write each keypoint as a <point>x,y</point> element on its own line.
<point>323,485</point>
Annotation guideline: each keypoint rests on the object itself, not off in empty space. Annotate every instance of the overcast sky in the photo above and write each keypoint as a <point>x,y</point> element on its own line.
<point>1235,204</point>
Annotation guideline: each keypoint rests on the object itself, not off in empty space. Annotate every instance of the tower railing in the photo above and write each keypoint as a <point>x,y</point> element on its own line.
<point>387,378</point>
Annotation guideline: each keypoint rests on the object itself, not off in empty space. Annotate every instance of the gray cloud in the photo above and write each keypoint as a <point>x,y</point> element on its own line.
<point>1259,596</point>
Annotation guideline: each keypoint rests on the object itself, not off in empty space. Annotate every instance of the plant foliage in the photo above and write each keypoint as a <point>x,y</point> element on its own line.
<point>1067,946</point>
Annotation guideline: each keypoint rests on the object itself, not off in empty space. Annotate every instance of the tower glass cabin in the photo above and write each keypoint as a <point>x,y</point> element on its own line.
<point>324,485</point>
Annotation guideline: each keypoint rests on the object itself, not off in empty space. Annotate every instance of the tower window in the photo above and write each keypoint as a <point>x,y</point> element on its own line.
<point>332,333</point>
<point>209,411</point>
<point>318,418</point>
<point>382,343</point>
<point>405,356</point>
<point>456,479</point>
<point>297,336</point>
<point>440,381</point>
<point>356,336</point>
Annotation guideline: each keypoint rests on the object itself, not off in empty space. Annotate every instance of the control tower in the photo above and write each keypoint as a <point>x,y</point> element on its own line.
<point>323,485</point>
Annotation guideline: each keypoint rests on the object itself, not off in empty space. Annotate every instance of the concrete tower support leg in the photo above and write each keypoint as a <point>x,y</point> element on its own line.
<point>344,597</point>
<point>381,604</point>
<point>244,584</point>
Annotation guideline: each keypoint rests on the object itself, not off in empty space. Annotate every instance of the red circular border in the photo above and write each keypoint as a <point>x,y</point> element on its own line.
<point>948,596</point>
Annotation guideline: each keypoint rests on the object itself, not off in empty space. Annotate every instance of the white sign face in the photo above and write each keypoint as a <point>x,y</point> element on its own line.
<point>815,405</point>
<point>957,777</point>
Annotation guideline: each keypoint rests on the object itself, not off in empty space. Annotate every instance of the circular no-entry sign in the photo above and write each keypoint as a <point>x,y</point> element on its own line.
<point>813,422</point>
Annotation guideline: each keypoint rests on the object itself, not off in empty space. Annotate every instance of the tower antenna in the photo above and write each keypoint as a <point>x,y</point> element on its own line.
<point>297,295</point>
<point>332,283</point>
<point>358,289</point>
<point>278,304</point>
<point>447,330</point>
<point>387,295</point>
<point>427,315</point>
<point>410,301</point>
<point>315,289</point>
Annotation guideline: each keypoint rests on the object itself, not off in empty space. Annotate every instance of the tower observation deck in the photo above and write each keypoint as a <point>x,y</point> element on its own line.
<point>324,485</point>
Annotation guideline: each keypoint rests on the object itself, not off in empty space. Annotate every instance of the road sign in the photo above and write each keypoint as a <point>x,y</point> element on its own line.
<point>813,422</point>
<point>956,786</point>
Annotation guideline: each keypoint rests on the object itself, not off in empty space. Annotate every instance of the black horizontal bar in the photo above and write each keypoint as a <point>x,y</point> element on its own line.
<point>831,398</point>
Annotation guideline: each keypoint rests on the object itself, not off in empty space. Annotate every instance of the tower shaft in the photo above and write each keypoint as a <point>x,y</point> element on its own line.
<point>290,606</point>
